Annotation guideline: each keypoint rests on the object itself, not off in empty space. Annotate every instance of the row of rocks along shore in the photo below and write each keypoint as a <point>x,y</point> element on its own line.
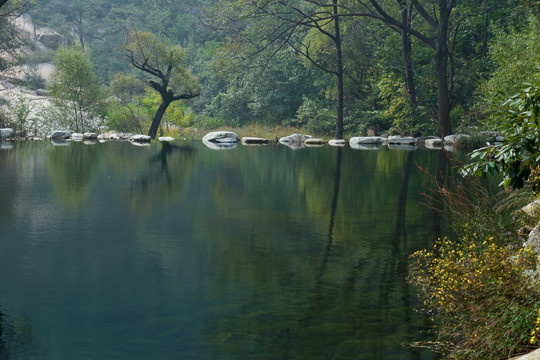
<point>226,139</point>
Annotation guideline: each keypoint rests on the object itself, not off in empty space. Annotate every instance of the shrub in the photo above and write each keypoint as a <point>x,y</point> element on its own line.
<point>483,295</point>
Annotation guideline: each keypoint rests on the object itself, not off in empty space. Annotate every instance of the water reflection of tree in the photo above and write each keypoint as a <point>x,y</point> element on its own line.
<point>73,172</point>
<point>160,179</point>
<point>344,303</point>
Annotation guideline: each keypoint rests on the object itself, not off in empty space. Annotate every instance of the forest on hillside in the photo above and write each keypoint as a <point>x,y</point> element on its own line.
<point>333,67</point>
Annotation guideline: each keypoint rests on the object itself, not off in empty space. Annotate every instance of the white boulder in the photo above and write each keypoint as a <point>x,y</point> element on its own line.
<point>89,136</point>
<point>367,140</point>
<point>294,138</point>
<point>221,137</point>
<point>316,142</point>
<point>433,143</point>
<point>166,139</point>
<point>60,134</point>
<point>77,136</point>
<point>141,138</point>
<point>401,140</point>
<point>337,142</point>
<point>452,139</point>
<point>254,141</point>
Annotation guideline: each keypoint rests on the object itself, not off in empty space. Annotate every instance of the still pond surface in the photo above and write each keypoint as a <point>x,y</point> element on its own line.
<point>112,251</point>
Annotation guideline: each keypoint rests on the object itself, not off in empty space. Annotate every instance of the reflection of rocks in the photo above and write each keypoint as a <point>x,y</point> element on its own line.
<point>295,145</point>
<point>220,145</point>
<point>89,142</point>
<point>366,140</point>
<point>141,138</point>
<point>139,143</point>
<point>166,139</point>
<point>6,145</point>
<point>337,142</point>
<point>401,140</point>
<point>294,138</point>
<point>60,142</point>
<point>402,147</point>
<point>254,141</point>
<point>6,133</point>
<point>60,134</point>
<point>221,137</point>
<point>357,146</point>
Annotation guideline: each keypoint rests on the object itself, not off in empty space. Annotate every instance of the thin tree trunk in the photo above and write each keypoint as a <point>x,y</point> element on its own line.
<point>339,74</point>
<point>406,48</point>
<point>157,118</point>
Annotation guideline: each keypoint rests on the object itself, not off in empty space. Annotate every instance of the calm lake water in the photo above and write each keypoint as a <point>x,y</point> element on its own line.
<point>113,251</point>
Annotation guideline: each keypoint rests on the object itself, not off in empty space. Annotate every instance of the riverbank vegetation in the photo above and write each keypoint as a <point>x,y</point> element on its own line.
<point>483,290</point>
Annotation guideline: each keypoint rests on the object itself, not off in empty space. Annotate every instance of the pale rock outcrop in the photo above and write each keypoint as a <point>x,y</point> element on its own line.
<point>294,138</point>
<point>315,142</point>
<point>221,137</point>
<point>337,142</point>
<point>52,41</point>
<point>401,140</point>
<point>535,355</point>
<point>433,143</point>
<point>367,140</point>
<point>246,140</point>
<point>452,139</point>
<point>60,134</point>
<point>89,136</point>
<point>77,137</point>
<point>166,139</point>
<point>139,138</point>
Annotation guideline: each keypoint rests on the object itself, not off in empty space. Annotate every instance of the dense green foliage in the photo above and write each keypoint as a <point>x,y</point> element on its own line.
<point>258,67</point>
<point>75,89</point>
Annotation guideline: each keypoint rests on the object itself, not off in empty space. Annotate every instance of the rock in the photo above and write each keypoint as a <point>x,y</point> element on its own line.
<point>532,209</point>
<point>367,140</point>
<point>89,136</point>
<point>401,140</point>
<point>452,139</point>
<point>254,141</point>
<point>422,139</point>
<point>60,134</point>
<point>141,138</point>
<point>6,133</point>
<point>535,355</point>
<point>76,137</point>
<point>433,143</point>
<point>489,135</point>
<point>499,138</point>
<point>357,146</point>
<point>313,141</point>
<point>60,142</point>
<point>294,138</point>
<point>42,92</point>
<point>166,139</point>
<point>335,142</point>
<point>220,145</point>
<point>221,137</point>
<point>52,41</point>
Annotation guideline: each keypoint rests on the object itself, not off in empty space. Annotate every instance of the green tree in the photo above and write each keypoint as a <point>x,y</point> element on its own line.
<point>75,89</point>
<point>163,62</point>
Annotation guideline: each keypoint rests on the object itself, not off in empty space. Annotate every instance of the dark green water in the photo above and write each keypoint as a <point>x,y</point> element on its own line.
<point>113,251</point>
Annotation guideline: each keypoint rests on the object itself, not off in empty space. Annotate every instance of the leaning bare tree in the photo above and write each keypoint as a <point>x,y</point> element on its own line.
<point>155,58</point>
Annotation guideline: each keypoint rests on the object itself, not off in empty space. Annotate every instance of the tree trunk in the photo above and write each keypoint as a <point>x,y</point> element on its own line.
<point>406,48</point>
<point>157,118</point>
<point>441,65</point>
<point>339,74</point>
